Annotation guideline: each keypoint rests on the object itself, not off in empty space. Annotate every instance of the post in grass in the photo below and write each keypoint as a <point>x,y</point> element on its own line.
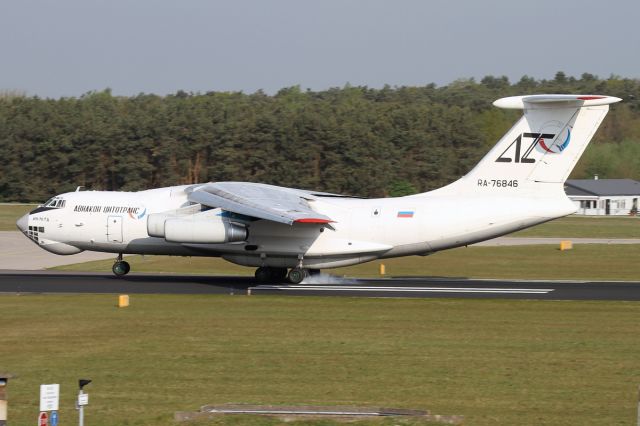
<point>383,269</point>
<point>123,301</point>
<point>4,380</point>
<point>566,245</point>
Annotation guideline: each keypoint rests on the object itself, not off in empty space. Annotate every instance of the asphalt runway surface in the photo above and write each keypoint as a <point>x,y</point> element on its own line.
<point>23,282</point>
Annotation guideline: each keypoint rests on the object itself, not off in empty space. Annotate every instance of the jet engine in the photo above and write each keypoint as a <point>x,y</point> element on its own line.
<point>183,226</point>
<point>155,221</point>
<point>205,231</point>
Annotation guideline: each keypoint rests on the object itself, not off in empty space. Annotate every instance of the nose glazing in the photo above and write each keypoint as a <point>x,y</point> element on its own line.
<point>23,223</point>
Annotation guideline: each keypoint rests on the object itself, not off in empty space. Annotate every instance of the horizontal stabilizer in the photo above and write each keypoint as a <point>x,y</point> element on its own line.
<point>554,101</point>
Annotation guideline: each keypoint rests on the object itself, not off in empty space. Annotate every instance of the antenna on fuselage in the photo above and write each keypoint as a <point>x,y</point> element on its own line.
<point>80,188</point>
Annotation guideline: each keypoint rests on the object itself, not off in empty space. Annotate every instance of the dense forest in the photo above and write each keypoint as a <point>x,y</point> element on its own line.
<point>353,140</point>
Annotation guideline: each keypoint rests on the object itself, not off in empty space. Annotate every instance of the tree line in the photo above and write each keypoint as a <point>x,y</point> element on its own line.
<point>352,140</point>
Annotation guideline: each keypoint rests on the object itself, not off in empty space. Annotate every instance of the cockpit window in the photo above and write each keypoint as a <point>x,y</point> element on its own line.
<point>56,203</point>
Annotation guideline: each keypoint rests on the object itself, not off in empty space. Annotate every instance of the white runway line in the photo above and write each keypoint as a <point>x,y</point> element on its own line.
<point>485,280</point>
<point>406,289</point>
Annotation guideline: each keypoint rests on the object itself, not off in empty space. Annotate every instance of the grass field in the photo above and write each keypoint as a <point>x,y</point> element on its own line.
<point>586,227</point>
<point>587,261</point>
<point>10,213</point>
<point>495,362</point>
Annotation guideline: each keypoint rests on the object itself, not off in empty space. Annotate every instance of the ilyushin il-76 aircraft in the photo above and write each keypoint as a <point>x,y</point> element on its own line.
<point>288,233</point>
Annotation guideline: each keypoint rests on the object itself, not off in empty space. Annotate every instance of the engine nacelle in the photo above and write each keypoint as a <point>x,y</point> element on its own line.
<point>204,231</point>
<point>155,221</point>
<point>155,224</point>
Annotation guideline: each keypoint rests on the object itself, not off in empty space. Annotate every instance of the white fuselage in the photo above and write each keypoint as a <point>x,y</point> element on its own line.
<point>362,229</point>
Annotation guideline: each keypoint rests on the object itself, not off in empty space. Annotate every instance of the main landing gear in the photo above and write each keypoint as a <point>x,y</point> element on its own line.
<point>121,267</point>
<point>266,274</point>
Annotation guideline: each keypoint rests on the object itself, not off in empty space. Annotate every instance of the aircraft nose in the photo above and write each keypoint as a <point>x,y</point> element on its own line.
<point>23,223</point>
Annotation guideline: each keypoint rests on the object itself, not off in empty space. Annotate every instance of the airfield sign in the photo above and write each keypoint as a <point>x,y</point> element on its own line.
<point>49,397</point>
<point>83,399</point>
<point>43,419</point>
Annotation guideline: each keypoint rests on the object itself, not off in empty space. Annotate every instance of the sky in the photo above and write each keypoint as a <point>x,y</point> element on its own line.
<point>70,47</point>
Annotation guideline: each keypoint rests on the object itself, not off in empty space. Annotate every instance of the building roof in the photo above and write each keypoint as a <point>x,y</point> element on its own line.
<point>602,187</point>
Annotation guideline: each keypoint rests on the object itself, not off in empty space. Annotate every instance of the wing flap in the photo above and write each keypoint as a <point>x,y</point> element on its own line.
<point>274,203</point>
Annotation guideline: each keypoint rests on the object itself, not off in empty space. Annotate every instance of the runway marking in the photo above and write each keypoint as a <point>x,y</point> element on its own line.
<point>405,289</point>
<point>487,280</point>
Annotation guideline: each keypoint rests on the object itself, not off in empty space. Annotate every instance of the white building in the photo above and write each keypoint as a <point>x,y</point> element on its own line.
<point>599,197</point>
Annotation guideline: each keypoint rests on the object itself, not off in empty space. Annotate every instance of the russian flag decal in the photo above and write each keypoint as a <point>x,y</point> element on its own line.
<point>405,213</point>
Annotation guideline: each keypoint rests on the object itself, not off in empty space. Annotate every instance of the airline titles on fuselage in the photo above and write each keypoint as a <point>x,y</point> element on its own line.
<point>106,209</point>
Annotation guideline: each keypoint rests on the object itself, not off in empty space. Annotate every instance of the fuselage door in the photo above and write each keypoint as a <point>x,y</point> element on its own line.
<point>114,229</point>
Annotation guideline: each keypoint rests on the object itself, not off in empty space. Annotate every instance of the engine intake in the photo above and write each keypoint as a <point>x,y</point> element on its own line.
<point>155,221</point>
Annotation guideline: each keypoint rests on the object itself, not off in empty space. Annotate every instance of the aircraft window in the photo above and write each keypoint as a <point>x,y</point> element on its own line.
<point>55,203</point>
<point>41,229</point>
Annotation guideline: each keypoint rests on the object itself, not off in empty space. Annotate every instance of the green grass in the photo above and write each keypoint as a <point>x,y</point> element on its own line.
<point>10,213</point>
<point>586,261</point>
<point>495,362</point>
<point>586,227</point>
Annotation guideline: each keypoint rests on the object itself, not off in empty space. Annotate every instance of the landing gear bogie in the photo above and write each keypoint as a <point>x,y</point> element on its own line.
<point>266,274</point>
<point>297,275</point>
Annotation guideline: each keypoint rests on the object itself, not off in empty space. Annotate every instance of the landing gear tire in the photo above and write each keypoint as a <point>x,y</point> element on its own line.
<point>121,268</point>
<point>278,275</point>
<point>265,274</point>
<point>297,275</point>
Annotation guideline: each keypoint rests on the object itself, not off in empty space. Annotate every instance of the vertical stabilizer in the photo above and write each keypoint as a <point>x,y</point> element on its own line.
<point>542,148</point>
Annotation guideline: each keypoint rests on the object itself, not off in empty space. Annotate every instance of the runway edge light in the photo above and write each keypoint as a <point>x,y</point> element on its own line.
<point>123,301</point>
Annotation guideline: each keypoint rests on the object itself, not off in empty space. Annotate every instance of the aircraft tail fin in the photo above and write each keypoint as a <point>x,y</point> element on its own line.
<point>542,148</point>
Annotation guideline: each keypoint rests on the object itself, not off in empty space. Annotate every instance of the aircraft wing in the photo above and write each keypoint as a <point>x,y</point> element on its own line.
<point>275,203</point>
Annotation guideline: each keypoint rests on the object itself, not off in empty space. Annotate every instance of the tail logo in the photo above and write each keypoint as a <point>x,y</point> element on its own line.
<point>559,144</point>
<point>553,138</point>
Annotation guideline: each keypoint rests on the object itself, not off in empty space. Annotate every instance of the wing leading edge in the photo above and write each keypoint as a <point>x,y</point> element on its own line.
<point>274,203</point>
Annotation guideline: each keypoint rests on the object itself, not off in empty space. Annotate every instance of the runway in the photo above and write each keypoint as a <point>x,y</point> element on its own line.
<point>25,282</point>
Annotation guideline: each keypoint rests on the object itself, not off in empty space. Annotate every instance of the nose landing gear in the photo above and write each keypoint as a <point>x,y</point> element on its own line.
<point>120,267</point>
